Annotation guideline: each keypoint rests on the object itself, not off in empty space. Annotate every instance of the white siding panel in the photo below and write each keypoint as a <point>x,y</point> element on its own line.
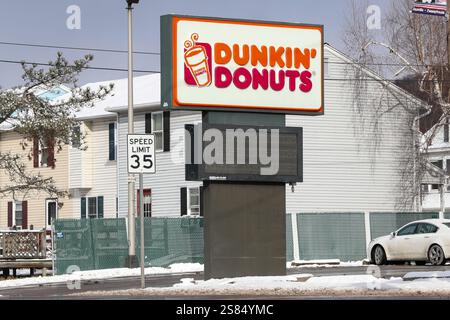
<point>170,167</point>
<point>341,171</point>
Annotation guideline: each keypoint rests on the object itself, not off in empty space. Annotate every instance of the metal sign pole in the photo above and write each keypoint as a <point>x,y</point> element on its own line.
<point>131,263</point>
<point>141,210</point>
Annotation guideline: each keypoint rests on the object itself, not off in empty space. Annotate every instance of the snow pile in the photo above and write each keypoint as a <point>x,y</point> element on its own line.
<point>294,285</point>
<point>101,274</point>
<point>186,267</point>
<point>427,274</point>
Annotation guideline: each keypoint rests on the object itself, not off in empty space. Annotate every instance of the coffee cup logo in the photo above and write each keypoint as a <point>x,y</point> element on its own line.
<point>196,60</point>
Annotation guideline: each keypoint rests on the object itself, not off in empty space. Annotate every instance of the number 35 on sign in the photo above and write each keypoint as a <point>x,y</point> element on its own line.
<point>141,153</point>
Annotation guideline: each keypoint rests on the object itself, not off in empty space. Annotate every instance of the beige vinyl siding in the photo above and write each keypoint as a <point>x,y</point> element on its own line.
<point>97,173</point>
<point>80,161</point>
<point>10,142</point>
<point>104,177</point>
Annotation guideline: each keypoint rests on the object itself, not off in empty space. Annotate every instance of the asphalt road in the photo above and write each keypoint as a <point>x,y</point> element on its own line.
<point>62,290</point>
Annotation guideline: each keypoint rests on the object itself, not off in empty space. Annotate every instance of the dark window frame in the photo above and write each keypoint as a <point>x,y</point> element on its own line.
<point>112,141</point>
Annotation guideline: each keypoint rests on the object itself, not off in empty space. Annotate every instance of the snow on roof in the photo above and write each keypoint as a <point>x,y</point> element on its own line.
<point>146,93</point>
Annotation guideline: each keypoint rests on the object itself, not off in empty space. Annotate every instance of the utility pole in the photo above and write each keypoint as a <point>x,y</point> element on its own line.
<point>131,261</point>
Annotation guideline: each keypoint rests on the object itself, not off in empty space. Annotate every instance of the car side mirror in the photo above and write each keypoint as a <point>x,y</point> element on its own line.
<point>392,235</point>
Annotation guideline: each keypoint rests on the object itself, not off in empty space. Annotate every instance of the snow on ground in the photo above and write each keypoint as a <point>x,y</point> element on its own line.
<point>101,274</point>
<point>295,285</point>
<point>427,274</point>
<point>413,283</point>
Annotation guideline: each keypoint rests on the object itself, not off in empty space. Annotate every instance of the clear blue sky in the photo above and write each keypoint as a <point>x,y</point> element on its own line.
<point>104,23</point>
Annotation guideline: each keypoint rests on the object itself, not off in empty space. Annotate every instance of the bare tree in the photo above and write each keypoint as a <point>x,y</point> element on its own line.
<point>47,122</point>
<point>410,50</point>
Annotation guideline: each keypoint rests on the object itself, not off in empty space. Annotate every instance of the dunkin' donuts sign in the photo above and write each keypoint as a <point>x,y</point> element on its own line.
<point>218,64</point>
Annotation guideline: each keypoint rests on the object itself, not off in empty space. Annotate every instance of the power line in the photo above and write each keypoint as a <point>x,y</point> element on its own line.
<point>88,67</point>
<point>158,53</point>
<point>154,71</point>
<point>74,48</point>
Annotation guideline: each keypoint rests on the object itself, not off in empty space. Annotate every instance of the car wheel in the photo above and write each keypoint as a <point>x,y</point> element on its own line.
<point>436,255</point>
<point>378,255</point>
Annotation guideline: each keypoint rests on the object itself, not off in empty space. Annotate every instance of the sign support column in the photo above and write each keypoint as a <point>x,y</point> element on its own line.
<point>141,210</point>
<point>131,260</point>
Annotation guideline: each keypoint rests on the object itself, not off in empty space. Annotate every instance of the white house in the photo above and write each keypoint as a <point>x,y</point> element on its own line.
<point>345,168</point>
<point>342,169</point>
<point>438,155</point>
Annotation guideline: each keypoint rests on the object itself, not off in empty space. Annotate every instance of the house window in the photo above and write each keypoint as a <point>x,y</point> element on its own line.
<point>51,211</point>
<point>147,203</point>
<point>425,188</point>
<point>112,136</point>
<point>194,202</point>
<point>434,187</point>
<point>158,130</point>
<point>43,154</point>
<point>92,208</point>
<point>158,123</point>
<point>76,137</point>
<point>437,163</point>
<point>18,214</point>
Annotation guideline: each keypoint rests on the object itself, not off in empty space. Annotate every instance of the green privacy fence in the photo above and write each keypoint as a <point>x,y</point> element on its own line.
<point>171,240</point>
<point>383,223</point>
<point>90,244</point>
<point>331,235</point>
<point>344,236</point>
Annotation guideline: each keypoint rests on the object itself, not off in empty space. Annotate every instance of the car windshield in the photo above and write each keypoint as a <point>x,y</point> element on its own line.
<point>447,224</point>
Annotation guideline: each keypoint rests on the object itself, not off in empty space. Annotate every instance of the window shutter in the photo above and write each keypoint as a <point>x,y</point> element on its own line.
<point>112,142</point>
<point>201,188</point>
<point>100,207</point>
<point>446,131</point>
<point>51,154</point>
<point>166,132</point>
<point>183,201</point>
<point>448,166</point>
<point>24,214</point>
<point>148,123</point>
<point>10,214</point>
<point>83,208</point>
<point>35,153</point>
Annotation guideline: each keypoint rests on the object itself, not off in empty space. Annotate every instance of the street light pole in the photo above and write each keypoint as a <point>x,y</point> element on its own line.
<point>131,261</point>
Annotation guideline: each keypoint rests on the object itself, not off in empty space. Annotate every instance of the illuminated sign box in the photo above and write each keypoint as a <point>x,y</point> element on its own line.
<point>240,65</point>
<point>249,149</point>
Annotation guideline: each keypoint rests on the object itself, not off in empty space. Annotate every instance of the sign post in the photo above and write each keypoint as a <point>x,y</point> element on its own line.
<point>141,159</point>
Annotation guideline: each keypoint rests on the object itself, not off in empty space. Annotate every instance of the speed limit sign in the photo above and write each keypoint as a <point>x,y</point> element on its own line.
<point>141,153</point>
